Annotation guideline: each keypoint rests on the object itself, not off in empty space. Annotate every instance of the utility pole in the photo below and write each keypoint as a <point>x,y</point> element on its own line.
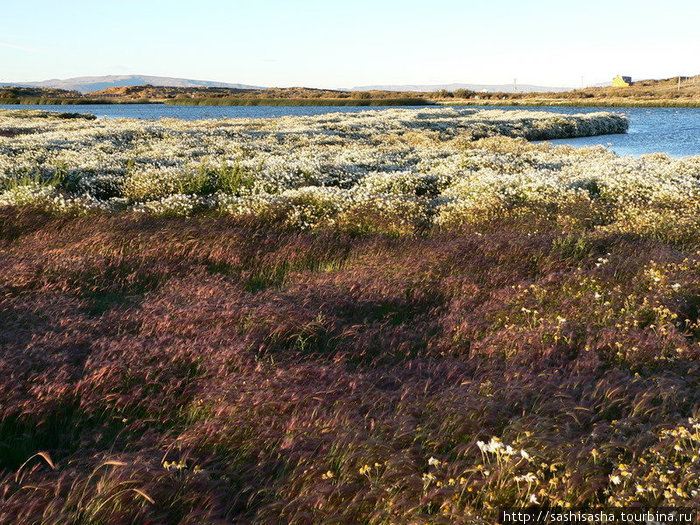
<point>679,82</point>
<point>515,85</point>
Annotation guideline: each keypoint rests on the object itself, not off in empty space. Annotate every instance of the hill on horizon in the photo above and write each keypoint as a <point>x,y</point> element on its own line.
<point>134,87</point>
<point>98,83</point>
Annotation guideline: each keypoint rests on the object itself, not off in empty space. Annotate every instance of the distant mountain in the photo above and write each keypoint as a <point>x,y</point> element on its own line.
<point>87,84</point>
<point>502,88</point>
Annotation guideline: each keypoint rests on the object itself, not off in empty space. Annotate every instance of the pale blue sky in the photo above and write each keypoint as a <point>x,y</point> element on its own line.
<point>329,44</point>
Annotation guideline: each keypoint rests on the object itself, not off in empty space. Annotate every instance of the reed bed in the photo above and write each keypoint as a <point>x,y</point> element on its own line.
<point>524,331</point>
<point>260,101</point>
<point>593,102</point>
<point>57,101</point>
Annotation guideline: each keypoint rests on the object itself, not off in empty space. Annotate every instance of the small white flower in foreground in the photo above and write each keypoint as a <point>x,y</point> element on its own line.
<point>495,444</point>
<point>529,478</point>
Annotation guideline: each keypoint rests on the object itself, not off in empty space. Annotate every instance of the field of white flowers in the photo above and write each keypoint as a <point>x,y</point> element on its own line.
<point>407,168</point>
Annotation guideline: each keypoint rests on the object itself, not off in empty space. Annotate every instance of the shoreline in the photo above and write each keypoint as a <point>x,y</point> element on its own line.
<point>606,103</point>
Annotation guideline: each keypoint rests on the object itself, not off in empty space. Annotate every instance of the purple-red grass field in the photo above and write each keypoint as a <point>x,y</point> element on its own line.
<point>212,370</point>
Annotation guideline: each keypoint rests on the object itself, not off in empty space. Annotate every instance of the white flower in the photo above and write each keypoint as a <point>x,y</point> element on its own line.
<point>529,478</point>
<point>495,444</point>
<point>434,462</point>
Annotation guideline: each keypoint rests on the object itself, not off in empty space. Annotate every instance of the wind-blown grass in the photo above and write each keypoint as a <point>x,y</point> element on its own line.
<point>213,370</point>
<point>482,322</point>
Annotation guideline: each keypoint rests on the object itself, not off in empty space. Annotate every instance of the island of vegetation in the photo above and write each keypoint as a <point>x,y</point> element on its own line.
<point>396,316</point>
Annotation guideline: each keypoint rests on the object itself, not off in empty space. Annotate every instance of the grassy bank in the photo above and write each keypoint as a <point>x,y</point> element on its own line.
<point>18,116</point>
<point>599,102</point>
<point>240,101</point>
<point>341,102</point>
<point>406,316</point>
<point>45,101</point>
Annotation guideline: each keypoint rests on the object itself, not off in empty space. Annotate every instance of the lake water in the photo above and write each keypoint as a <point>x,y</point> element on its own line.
<point>675,131</point>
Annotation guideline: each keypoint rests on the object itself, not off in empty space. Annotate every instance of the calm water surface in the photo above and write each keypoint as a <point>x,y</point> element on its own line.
<point>158,111</point>
<point>675,131</point>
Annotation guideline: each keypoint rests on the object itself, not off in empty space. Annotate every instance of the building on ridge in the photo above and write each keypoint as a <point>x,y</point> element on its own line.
<point>622,81</point>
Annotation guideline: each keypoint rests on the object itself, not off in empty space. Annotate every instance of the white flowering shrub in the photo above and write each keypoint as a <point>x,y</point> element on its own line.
<point>406,169</point>
<point>176,205</point>
<point>32,194</point>
<point>48,198</point>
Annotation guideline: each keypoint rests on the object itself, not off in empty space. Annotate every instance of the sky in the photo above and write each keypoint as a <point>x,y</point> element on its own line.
<point>331,44</point>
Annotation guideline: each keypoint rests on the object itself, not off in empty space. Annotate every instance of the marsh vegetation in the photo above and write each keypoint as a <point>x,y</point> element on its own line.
<point>405,316</point>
